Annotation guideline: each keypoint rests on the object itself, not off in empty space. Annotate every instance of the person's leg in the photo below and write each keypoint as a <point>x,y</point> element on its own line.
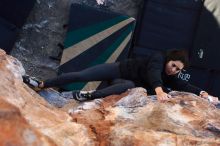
<point>100,72</point>
<point>118,86</point>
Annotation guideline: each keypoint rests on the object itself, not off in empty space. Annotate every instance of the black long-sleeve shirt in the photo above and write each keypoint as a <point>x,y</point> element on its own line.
<point>150,73</point>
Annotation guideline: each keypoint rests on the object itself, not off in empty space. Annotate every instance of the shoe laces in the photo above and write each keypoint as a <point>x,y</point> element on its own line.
<point>85,94</point>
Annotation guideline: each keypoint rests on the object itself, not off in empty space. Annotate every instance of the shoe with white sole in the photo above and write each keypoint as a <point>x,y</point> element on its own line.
<point>32,82</point>
<point>82,95</point>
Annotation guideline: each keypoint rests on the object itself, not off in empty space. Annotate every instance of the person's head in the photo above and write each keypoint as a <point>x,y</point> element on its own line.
<point>176,60</point>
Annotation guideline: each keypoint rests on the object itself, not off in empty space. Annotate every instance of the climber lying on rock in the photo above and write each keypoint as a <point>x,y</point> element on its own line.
<point>154,73</point>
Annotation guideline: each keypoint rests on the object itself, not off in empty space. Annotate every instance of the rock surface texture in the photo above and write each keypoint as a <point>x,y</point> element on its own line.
<point>38,114</point>
<point>129,119</point>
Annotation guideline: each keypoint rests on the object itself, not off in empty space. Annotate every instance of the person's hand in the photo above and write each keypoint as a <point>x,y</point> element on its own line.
<point>161,95</point>
<point>211,99</point>
<point>204,95</point>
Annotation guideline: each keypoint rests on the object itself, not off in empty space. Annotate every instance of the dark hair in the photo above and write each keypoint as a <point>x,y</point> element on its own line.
<point>178,55</point>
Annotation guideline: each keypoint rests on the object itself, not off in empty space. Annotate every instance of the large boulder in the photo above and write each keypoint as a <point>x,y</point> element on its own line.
<point>132,118</point>
<point>41,116</point>
<point>138,119</point>
<point>14,129</point>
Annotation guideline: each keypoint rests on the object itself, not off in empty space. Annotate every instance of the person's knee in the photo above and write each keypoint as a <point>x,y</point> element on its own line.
<point>130,84</point>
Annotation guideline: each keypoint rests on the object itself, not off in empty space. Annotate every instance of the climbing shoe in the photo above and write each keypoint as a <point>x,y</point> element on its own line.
<point>32,82</point>
<point>82,95</point>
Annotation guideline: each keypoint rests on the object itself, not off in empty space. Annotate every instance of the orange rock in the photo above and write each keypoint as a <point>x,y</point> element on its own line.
<point>14,130</point>
<point>36,112</point>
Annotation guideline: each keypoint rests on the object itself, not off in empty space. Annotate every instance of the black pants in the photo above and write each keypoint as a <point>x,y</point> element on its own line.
<point>102,72</point>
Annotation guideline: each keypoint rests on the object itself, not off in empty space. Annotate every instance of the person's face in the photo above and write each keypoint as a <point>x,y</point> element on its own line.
<point>173,67</point>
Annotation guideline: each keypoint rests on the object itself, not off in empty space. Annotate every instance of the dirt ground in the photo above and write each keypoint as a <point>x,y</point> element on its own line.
<point>43,30</point>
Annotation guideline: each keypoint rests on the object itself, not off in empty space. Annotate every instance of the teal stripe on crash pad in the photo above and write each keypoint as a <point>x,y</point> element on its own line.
<point>102,58</point>
<point>78,35</point>
<point>74,86</point>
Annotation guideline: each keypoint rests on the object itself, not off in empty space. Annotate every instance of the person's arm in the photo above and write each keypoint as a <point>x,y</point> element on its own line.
<point>153,70</point>
<point>180,85</point>
<point>153,75</point>
<point>161,95</point>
